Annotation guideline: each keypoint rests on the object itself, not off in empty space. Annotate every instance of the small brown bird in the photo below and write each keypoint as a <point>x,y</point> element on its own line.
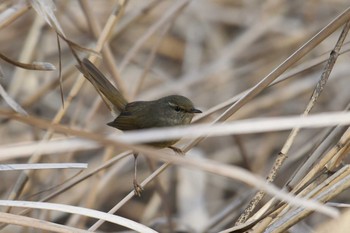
<point>168,111</point>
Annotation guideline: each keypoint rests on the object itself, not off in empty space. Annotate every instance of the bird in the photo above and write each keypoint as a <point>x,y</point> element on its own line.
<point>172,110</point>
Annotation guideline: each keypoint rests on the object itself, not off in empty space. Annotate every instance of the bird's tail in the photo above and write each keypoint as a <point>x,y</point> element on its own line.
<point>109,94</point>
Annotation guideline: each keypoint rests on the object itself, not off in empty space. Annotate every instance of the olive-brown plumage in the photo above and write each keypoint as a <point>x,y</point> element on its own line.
<point>168,111</point>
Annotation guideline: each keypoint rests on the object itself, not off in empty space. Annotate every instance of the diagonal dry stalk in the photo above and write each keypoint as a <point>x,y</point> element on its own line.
<point>236,44</point>
<point>321,191</point>
<point>307,47</point>
<point>282,156</point>
<point>37,223</point>
<point>22,180</point>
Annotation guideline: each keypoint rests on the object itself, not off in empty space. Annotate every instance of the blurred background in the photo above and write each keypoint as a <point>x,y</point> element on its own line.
<point>208,51</point>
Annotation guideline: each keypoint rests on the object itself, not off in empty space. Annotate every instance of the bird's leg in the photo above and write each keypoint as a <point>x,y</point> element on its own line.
<point>176,150</point>
<point>137,188</point>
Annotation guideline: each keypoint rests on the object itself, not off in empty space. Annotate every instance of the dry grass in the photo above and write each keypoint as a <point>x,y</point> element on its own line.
<point>235,60</point>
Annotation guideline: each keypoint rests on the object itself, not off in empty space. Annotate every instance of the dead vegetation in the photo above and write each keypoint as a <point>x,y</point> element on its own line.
<point>235,60</point>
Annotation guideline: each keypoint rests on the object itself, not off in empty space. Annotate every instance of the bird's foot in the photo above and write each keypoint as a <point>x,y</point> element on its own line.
<point>137,188</point>
<point>176,150</point>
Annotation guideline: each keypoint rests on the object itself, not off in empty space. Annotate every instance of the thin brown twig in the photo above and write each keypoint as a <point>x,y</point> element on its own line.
<point>45,66</point>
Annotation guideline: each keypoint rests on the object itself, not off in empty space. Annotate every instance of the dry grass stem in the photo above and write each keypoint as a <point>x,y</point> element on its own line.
<point>282,156</point>
<point>251,67</point>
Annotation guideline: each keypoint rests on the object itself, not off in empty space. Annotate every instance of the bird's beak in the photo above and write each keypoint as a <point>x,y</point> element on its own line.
<point>193,110</point>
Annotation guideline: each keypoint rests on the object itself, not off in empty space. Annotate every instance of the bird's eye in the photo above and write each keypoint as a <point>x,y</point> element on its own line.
<point>177,109</point>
